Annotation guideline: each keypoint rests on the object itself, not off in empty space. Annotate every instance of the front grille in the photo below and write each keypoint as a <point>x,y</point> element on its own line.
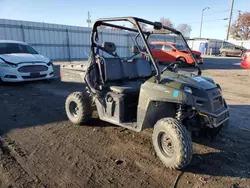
<point>216,99</point>
<point>33,68</point>
<point>197,56</point>
<point>38,76</point>
<point>217,103</point>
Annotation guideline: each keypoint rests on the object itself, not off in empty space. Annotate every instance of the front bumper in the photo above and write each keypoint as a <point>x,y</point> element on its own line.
<point>200,61</point>
<point>215,120</point>
<point>10,74</point>
<point>211,106</point>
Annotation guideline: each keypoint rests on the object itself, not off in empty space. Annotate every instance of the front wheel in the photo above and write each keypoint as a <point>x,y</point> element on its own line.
<point>172,143</point>
<point>183,61</point>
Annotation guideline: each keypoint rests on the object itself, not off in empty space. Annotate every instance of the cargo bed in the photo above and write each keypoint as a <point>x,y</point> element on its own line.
<point>73,72</point>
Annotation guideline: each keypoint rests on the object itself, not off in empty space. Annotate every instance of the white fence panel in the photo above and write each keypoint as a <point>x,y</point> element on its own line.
<point>62,42</point>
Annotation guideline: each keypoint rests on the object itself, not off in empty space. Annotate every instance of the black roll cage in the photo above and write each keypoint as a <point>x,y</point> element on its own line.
<point>135,21</point>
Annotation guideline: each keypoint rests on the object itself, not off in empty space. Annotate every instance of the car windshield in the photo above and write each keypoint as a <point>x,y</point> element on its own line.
<point>180,47</point>
<point>11,48</point>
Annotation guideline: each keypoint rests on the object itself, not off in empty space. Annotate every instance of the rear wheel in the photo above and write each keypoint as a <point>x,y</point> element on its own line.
<point>172,143</point>
<point>223,54</point>
<point>243,54</point>
<point>78,108</point>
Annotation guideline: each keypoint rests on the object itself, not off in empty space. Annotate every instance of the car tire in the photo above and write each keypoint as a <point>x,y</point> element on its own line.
<point>78,108</point>
<point>172,143</point>
<point>223,54</point>
<point>1,81</point>
<point>243,54</point>
<point>183,61</point>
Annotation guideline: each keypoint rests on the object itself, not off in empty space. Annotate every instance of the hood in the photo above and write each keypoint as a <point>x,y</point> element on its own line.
<point>177,80</point>
<point>19,58</point>
<point>194,52</point>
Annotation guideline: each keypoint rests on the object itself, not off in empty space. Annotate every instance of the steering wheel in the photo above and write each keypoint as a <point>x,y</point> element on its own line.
<point>173,67</point>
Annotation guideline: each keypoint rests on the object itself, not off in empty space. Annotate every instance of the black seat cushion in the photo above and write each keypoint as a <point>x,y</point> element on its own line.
<point>130,87</point>
<point>113,69</point>
<point>130,69</point>
<point>143,67</point>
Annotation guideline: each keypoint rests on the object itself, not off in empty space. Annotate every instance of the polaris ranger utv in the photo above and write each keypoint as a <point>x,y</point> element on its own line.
<point>134,93</point>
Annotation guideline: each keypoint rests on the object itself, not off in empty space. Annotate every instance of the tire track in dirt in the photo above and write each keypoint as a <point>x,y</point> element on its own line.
<point>12,173</point>
<point>102,155</point>
<point>46,151</point>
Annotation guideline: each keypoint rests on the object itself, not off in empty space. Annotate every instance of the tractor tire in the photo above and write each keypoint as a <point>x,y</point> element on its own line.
<point>183,62</point>
<point>172,143</point>
<point>223,54</point>
<point>78,108</point>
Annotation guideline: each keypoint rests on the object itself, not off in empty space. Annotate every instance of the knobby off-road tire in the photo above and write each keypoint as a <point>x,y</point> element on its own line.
<point>78,108</point>
<point>172,143</point>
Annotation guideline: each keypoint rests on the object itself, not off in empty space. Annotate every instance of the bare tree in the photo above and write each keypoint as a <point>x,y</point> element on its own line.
<point>166,22</point>
<point>241,28</point>
<point>102,27</point>
<point>185,29</point>
<point>142,25</point>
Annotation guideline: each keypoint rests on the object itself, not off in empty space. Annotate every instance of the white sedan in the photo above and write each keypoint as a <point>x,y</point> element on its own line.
<point>20,62</point>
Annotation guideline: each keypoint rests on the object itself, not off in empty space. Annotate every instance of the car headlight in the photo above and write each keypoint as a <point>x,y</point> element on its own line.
<point>4,64</point>
<point>188,90</point>
<point>49,63</point>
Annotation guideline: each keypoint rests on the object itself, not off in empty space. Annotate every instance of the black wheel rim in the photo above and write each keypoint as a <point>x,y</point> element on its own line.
<point>73,109</point>
<point>166,144</point>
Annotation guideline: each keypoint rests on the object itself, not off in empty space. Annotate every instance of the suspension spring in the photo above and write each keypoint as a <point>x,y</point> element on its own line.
<point>179,113</point>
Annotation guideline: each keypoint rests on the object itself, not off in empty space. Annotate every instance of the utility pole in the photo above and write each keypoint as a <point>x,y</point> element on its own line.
<point>230,18</point>
<point>89,20</point>
<point>202,19</point>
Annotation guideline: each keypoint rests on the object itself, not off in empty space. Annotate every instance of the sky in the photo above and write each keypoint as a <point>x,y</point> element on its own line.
<point>74,12</point>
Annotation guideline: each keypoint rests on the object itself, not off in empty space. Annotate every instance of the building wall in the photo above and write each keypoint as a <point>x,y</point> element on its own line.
<point>244,43</point>
<point>66,43</point>
<point>215,45</point>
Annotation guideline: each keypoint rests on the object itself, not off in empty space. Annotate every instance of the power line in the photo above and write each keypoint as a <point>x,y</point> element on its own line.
<point>213,13</point>
<point>208,21</point>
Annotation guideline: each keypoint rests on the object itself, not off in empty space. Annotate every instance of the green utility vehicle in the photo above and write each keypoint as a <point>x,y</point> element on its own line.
<point>136,93</point>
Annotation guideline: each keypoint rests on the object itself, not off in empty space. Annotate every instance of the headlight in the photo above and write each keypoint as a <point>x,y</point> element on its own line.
<point>3,64</point>
<point>49,63</point>
<point>188,90</point>
<point>218,85</point>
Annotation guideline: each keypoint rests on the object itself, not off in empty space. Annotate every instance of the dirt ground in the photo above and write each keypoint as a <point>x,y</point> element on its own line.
<point>39,147</point>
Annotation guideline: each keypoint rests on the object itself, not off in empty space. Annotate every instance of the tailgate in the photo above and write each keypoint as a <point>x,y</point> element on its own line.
<point>73,72</point>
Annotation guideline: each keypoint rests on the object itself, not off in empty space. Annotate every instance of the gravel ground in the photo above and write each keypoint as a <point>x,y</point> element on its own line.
<point>40,148</point>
